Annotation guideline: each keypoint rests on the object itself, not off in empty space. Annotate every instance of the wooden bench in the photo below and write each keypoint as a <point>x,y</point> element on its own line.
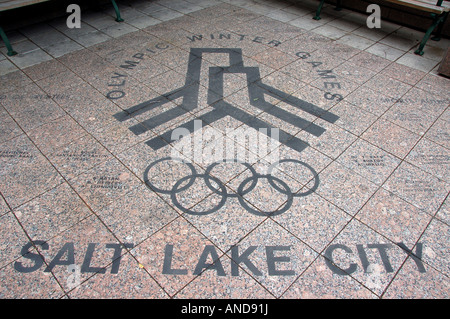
<point>438,9</point>
<point>6,5</point>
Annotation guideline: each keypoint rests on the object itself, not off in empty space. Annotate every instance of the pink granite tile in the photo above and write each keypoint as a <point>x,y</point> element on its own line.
<point>292,163</point>
<point>437,85</point>
<point>277,258</point>
<point>410,284</point>
<point>78,156</point>
<point>370,61</point>
<point>439,134</point>
<point>211,286</point>
<point>388,86</point>
<point>3,206</point>
<point>30,107</point>
<point>28,285</point>
<point>45,69</point>
<point>344,188</point>
<point>332,142</point>
<point>370,100</point>
<point>391,137</point>
<point>117,137</point>
<point>136,216</point>
<point>172,254</point>
<point>352,118</point>
<point>130,281</point>
<point>104,183</point>
<point>394,218</point>
<point>55,134</point>
<point>432,158</point>
<point>354,72</point>
<point>12,81</point>
<point>314,220</point>
<point>319,282</point>
<point>273,58</point>
<point>444,212</point>
<point>88,245</point>
<point>13,238</point>
<point>9,128</point>
<point>220,226</point>
<point>417,187</point>
<point>51,213</point>
<point>403,73</point>
<point>435,241</point>
<point>24,172</point>
<point>360,253</point>
<point>369,161</point>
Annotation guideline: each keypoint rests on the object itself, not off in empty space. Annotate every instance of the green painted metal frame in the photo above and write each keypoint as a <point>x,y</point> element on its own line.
<point>116,8</point>
<point>438,22</point>
<point>11,51</point>
<point>5,39</point>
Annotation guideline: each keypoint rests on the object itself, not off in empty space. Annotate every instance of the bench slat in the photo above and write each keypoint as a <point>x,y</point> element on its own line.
<point>421,5</point>
<point>13,4</point>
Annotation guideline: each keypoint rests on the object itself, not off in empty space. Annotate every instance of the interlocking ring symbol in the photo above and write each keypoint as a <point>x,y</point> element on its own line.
<point>244,188</point>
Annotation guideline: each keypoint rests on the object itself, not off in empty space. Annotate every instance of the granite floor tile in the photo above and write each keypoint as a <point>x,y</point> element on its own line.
<point>313,220</point>
<point>173,256</point>
<point>14,238</point>
<point>370,100</point>
<point>138,215</point>
<point>439,134</point>
<point>104,184</point>
<point>277,257</point>
<point>51,213</point>
<point>319,282</point>
<point>443,213</point>
<point>344,188</point>
<point>332,142</point>
<point>388,86</point>
<point>217,220</point>
<point>242,286</point>
<point>432,158</point>
<point>410,284</point>
<point>78,156</point>
<point>134,282</point>
<point>394,218</point>
<point>370,61</point>
<point>9,128</point>
<point>29,285</point>
<point>25,172</point>
<point>353,72</point>
<point>55,134</point>
<point>391,137</point>
<point>364,255</point>
<point>435,246</point>
<point>12,81</point>
<point>369,161</point>
<point>84,255</point>
<point>403,73</point>
<point>353,118</point>
<point>417,187</point>
<point>434,84</point>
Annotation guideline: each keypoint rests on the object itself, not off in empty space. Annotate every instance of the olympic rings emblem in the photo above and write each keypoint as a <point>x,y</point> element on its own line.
<point>244,188</point>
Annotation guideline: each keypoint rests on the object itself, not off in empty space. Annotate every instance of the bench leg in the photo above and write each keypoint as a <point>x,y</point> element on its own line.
<point>338,5</point>
<point>437,36</point>
<point>11,52</point>
<point>319,9</point>
<point>116,8</point>
<point>437,20</point>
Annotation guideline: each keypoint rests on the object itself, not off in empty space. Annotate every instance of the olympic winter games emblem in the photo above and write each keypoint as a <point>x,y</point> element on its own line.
<point>220,109</point>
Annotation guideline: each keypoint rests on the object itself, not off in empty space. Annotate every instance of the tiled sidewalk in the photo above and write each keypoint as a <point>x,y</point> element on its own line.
<point>350,202</point>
